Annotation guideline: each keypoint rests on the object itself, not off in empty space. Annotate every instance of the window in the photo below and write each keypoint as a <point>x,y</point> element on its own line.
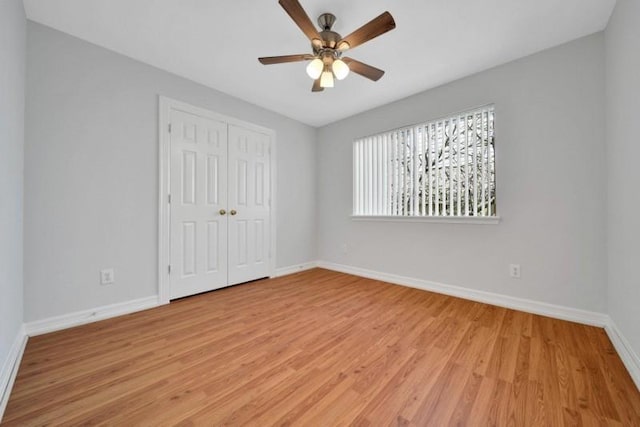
<point>442,168</point>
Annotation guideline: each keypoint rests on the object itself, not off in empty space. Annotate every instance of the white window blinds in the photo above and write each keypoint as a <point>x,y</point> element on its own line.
<point>442,168</point>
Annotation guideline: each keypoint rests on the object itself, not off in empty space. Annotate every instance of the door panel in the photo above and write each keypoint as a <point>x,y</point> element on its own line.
<point>249,184</point>
<point>188,236</point>
<point>213,254</point>
<point>213,179</point>
<point>198,174</point>
<point>188,176</point>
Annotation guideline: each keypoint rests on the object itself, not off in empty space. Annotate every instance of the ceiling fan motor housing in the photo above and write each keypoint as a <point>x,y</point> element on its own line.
<point>326,20</point>
<point>330,38</point>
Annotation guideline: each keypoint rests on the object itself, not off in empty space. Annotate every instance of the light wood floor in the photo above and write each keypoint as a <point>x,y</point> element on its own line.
<point>324,348</point>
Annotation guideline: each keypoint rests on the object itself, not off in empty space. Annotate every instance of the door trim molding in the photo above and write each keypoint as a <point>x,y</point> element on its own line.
<point>165,105</point>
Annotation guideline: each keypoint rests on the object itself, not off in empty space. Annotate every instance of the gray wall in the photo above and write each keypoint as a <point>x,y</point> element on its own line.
<point>623,152</point>
<point>91,158</point>
<point>550,185</point>
<point>12,70</point>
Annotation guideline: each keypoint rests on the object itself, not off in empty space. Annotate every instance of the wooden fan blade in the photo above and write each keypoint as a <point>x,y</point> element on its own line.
<point>300,17</point>
<point>269,60</point>
<point>368,31</point>
<point>316,86</point>
<point>363,69</point>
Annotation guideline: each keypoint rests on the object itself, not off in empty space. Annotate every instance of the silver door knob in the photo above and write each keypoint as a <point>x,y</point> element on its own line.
<point>233,212</point>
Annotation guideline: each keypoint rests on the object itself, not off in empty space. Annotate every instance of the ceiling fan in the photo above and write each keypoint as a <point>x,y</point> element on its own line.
<point>328,46</point>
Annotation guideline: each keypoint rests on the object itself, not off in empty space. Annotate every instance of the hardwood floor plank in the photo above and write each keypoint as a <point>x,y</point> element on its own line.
<point>324,348</point>
<point>438,405</point>
<point>460,415</point>
<point>535,411</point>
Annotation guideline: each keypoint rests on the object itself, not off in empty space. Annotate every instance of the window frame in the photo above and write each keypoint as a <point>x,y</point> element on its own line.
<point>457,219</point>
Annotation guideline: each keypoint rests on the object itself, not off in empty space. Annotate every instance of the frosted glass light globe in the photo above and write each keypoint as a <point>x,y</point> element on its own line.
<point>315,67</point>
<point>327,79</point>
<point>340,69</point>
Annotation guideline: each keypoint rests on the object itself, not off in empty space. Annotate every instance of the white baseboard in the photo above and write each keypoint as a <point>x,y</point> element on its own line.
<point>10,368</point>
<point>284,271</point>
<point>70,320</point>
<point>629,357</point>
<point>522,304</point>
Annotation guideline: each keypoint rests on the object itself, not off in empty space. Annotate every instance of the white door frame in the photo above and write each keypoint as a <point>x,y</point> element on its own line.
<point>164,209</point>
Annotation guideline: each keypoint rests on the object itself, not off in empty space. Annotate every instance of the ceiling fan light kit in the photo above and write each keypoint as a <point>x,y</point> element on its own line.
<point>328,46</point>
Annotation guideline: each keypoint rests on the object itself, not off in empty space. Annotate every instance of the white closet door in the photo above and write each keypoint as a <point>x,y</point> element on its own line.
<point>198,188</point>
<point>249,204</point>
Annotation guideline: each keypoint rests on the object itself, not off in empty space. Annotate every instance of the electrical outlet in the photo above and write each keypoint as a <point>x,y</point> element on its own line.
<point>344,248</point>
<point>107,276</point>
<point>514,271</point>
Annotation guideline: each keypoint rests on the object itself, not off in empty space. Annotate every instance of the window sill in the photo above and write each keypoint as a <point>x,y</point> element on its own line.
<point>449,220</point>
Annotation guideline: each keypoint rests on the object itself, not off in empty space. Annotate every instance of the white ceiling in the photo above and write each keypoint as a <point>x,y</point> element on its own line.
<point>217,42</point>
